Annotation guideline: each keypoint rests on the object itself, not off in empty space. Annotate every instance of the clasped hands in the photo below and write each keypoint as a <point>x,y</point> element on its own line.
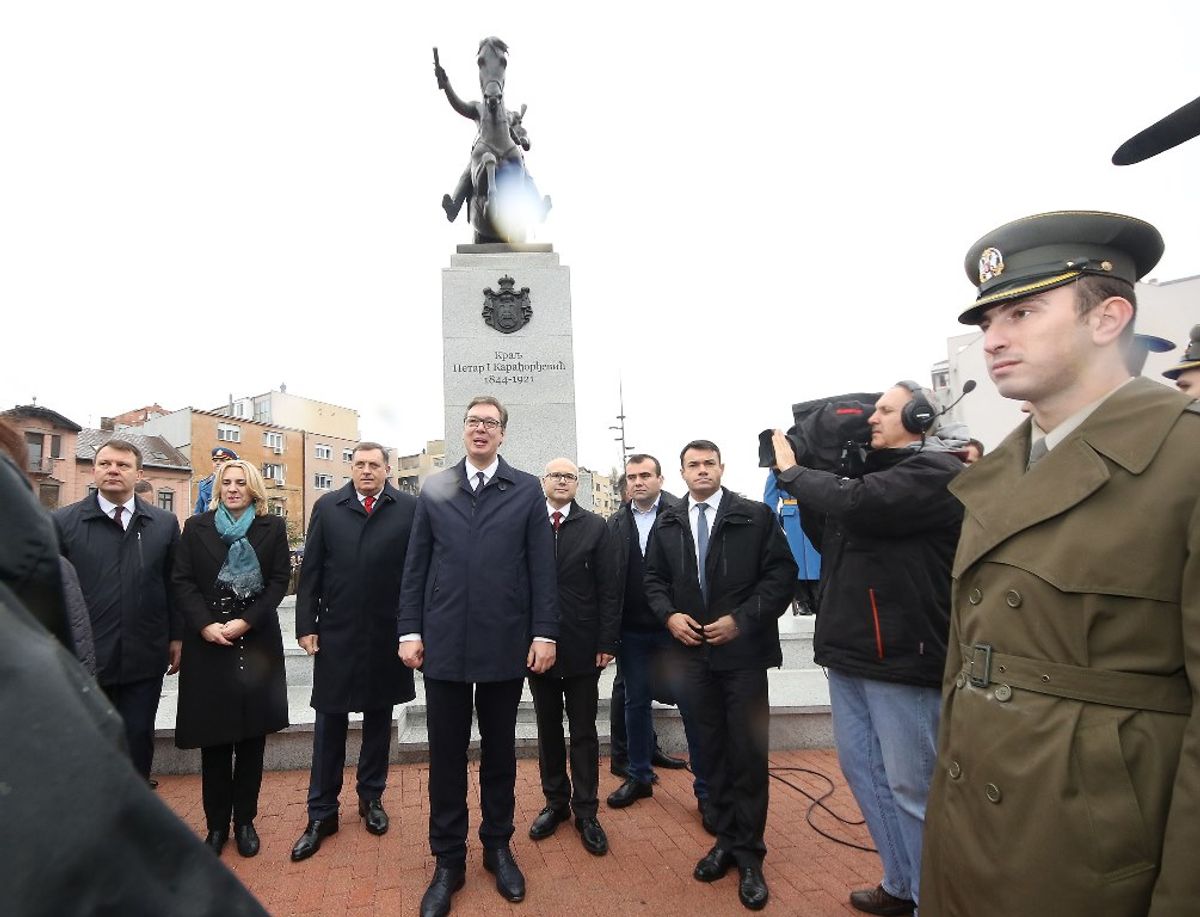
<point>540,658</point>
<point>225,634</point>
<point>690,632</point>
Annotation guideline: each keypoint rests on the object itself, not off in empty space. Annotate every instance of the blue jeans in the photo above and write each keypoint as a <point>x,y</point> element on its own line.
<point>640,654</point>
<point>886,737</point>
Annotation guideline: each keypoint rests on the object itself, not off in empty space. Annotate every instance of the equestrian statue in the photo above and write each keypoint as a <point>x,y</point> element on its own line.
<point>502,200</point>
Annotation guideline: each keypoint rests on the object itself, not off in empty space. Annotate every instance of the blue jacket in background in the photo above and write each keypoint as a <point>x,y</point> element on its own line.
<point>807,558</point>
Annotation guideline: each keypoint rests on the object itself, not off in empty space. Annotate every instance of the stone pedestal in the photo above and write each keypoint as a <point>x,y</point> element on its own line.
<point>525,357</point>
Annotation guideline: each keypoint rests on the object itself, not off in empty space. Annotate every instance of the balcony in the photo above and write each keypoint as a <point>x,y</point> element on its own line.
<point>41,466</point>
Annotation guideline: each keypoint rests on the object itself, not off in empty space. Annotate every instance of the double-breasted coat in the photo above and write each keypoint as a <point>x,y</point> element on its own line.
<point>349,591</point>
<point>1068,772</point>
<point>479,580</point>
<point>230,693</point>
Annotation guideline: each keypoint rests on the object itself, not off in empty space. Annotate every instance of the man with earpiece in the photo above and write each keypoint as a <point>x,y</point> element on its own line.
<point>887,542</point>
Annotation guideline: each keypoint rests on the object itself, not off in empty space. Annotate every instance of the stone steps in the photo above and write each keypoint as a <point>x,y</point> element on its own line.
<point>799,711</point>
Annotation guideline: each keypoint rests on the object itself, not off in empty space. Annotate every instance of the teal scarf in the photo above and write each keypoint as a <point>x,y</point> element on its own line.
<point>241,572</point>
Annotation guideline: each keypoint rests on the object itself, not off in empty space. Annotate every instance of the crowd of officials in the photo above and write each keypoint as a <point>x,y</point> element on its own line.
<point>1013,650</point>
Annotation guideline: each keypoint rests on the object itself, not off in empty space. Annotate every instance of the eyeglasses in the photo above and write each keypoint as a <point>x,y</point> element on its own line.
<point>562,475</point>
<point>490,423</point>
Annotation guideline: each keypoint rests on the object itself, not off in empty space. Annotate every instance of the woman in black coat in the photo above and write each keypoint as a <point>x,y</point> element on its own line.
<point>231,572</point>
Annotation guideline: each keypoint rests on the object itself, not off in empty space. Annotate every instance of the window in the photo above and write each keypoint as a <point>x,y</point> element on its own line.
<point>324,452</point>
<point>34,442</point>
<point>166,500</point>
<point>262,410</point>
<point>273,471</point>
<point>276,508</point>
<point>55,446</point>
<point>323,481</point>
<point>347,455</point>
<point>345,480</point>
<point>48,495</point>
<point>229,433</point>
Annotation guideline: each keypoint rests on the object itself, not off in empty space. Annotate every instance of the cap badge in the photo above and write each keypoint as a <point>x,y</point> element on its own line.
<point>991,264</point>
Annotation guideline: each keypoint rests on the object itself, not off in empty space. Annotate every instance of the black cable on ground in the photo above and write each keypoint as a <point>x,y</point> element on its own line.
<point>819,802</point>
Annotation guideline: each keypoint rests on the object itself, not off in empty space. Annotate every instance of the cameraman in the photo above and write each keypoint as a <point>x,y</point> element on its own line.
<point>887,540</point>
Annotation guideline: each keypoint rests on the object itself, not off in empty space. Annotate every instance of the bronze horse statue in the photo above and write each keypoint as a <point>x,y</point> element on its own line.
<point>503,201</point>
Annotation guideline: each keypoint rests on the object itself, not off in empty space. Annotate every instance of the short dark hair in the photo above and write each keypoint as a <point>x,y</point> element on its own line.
<point>368,446</point>
<point>638,457</point>
<point>1092,289</point>
<point>494,402</point>
<point>143,487</point>
<point>122,445</point>
<point>622,481</point>
<point>701,445</point>
<point>977,444</point>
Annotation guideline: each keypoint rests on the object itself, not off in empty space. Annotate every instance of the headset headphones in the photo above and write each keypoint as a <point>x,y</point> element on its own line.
<point>919,415</point>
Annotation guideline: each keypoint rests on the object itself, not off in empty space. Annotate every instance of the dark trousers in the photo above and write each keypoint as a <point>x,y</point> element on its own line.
<point>329,759</point>
<point>618,736</point>
<point>137,702</point>
<point>230,778</point>
<point>732,715</point>
<point>448,714</point>
<point>641,654</point>
<point>580,695</point>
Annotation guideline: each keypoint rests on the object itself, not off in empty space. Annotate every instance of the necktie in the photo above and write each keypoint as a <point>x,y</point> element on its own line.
<point>117,516</point>
<point>479,477</point>
<point>369,504</point>
<point>702,545</point>
<point>556,520</point>
<point>1037,453</point>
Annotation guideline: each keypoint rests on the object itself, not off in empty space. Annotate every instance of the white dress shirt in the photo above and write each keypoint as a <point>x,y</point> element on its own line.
<point>710,516</point>
<point>644,521</point>
<point>108,508</point>
<point>551,509</point>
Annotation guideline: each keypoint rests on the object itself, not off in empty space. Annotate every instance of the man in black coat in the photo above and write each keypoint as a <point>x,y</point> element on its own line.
<point>719,573</point>
<point>478,609</point>
<point>123,549</point>
<point>887,542</point>
<point>346,618</point>
<point>587,642</point>
<point>643,673</point>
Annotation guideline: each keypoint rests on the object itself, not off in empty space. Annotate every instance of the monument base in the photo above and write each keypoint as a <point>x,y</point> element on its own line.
<point>506,332</point>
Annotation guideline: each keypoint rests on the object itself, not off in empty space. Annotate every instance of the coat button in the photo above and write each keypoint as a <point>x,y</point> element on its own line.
<point>975,596</point>
<point>993,792</point>
<point>1013,598</point>
<point>1003,693</point>
<point>961,681</point>
<point>954,770</point>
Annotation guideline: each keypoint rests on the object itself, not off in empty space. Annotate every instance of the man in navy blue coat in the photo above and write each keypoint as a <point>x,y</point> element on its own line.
<point>478,609</point>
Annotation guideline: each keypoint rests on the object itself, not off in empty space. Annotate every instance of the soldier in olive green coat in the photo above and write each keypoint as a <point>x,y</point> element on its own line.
<point>1068,774</point>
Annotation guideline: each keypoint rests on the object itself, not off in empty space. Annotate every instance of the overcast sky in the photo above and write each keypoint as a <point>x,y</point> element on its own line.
<point>759,205</point>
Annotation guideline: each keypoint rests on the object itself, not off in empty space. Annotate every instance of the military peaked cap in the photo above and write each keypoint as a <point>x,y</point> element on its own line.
<point>1048,250</point>
<point>1191,359</point>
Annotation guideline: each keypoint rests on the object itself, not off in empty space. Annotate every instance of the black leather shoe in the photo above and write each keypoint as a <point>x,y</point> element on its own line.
<point>595,841</point>
<point>877,901</point>
<point>661,759</point>
<point>702,806</point>
<point>547,822</point>
<point>216,840</point>
<point>246,839</point>
<point>446,881</point>
<point>752,888</point>
<point>310,840</point>
<point>629,792</point>
<point>715,864</point>
<point>373,815</point>
<point>509,880</point>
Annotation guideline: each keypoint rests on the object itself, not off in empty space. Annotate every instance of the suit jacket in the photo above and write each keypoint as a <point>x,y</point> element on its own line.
<point>587,598</point>
<point>230,693</point>
<point>479,576</point>
<point>348,594</point>
<point>749,571</point>
<point>1060,789</point>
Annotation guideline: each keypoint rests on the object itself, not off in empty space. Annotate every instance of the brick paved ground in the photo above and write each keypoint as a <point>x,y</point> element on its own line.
<point>654,846</point>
